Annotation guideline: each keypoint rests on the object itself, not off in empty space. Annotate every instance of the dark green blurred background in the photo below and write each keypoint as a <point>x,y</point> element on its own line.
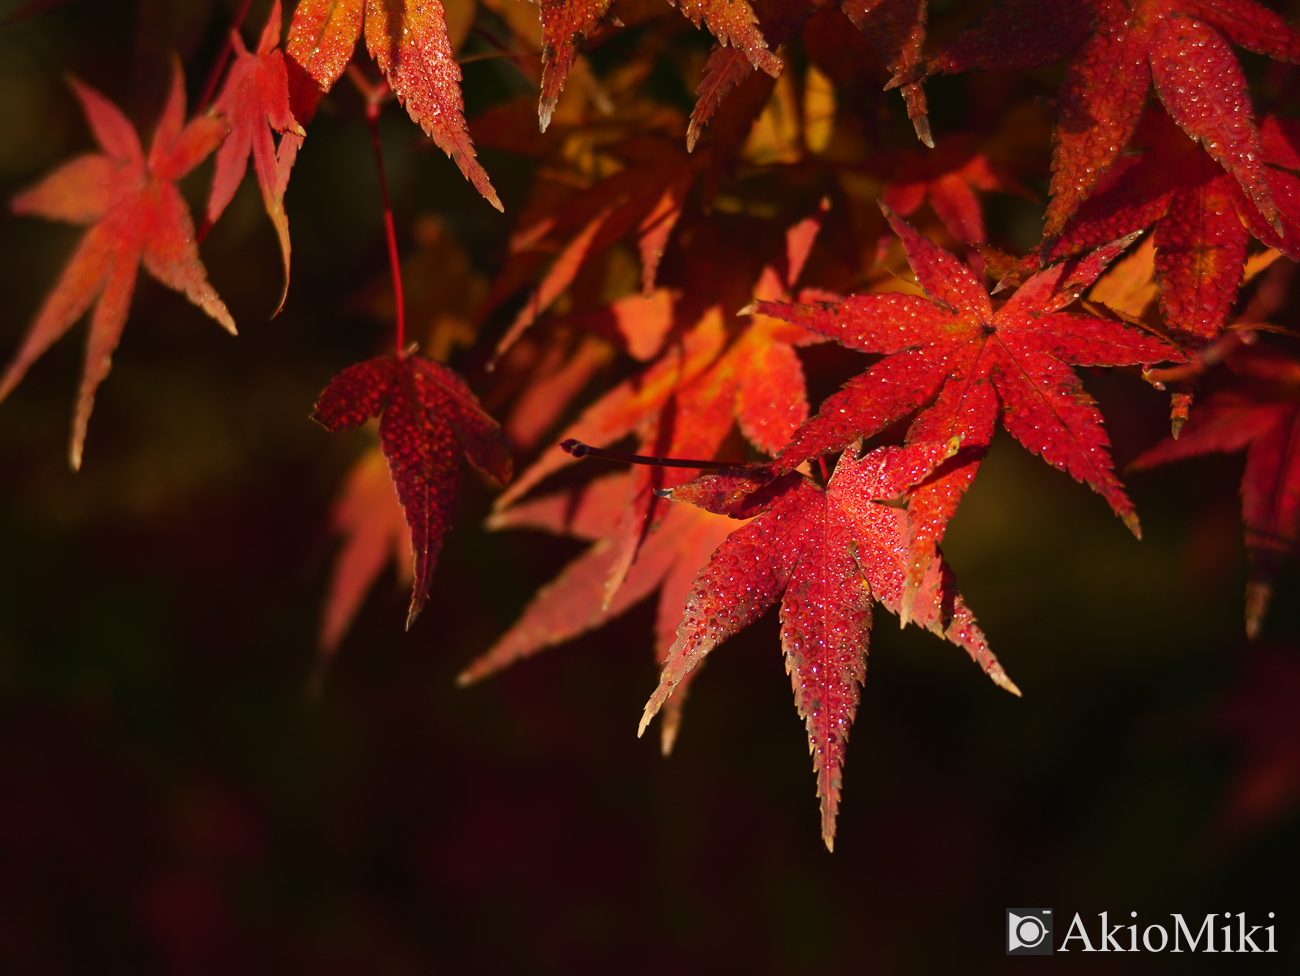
<point>170,804</point>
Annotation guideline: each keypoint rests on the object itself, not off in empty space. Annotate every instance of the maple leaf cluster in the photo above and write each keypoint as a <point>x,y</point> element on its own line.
<point>670,277</point>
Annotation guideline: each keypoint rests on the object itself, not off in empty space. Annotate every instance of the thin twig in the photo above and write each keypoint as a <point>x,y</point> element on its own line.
<point>581,450</point>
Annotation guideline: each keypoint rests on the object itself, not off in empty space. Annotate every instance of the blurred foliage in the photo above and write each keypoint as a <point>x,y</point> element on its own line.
<point>171,803</point>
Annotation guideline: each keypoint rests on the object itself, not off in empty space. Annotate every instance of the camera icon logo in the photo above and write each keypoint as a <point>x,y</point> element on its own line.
<point>1029,931</point>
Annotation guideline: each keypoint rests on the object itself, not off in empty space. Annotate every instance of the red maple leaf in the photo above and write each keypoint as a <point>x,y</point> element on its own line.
<point>1258,414</point>
<point>136,215</point>
<point>736,25</point>
<point>1179,46</point>
<point>977,363</point>
<point>566,22</point>
<point>673,552</point>
<point>896,29</point>
<point>1203,221</point>
<point>825,554</point>
<point>409,43</point>
<point>255,100</point>
<point>429,418</point>
<point>727,67</point>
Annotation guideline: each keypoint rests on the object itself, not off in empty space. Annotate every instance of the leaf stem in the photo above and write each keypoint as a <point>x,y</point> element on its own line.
<point>375,96</point>
<point>581,450</point>
<point>223,55</point>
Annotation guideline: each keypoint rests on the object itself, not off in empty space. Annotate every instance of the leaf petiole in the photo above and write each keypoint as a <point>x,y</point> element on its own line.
<point>375,96</point>
<point>581,450</point>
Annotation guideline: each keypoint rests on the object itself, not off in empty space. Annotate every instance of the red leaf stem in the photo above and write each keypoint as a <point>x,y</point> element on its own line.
<point>375,96</point>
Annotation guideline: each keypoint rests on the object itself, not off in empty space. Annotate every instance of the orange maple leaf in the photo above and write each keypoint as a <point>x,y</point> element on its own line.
<point>673,553</point>
<point>136,215</point>
<point>685,404</point>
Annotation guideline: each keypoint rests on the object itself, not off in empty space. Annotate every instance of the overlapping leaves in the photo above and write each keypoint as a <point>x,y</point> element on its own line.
<point>1202,219</point>
<point>1182,48</point>
<point>825,554</point>
<point>1260,414</point>
<point>966,365</point>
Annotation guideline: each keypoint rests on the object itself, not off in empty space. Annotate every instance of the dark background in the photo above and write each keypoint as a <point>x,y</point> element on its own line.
<point>171,803</point>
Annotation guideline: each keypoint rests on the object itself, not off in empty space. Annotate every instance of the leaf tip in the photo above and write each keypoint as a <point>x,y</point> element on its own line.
<point>224,319</point>
<point>1131,522</point>
<point>905,605</point>
<point>545,111</point>
<point>1006,684</point>
<point>922,126</point>
<point>668,737</point>
<point>1257,597</point>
